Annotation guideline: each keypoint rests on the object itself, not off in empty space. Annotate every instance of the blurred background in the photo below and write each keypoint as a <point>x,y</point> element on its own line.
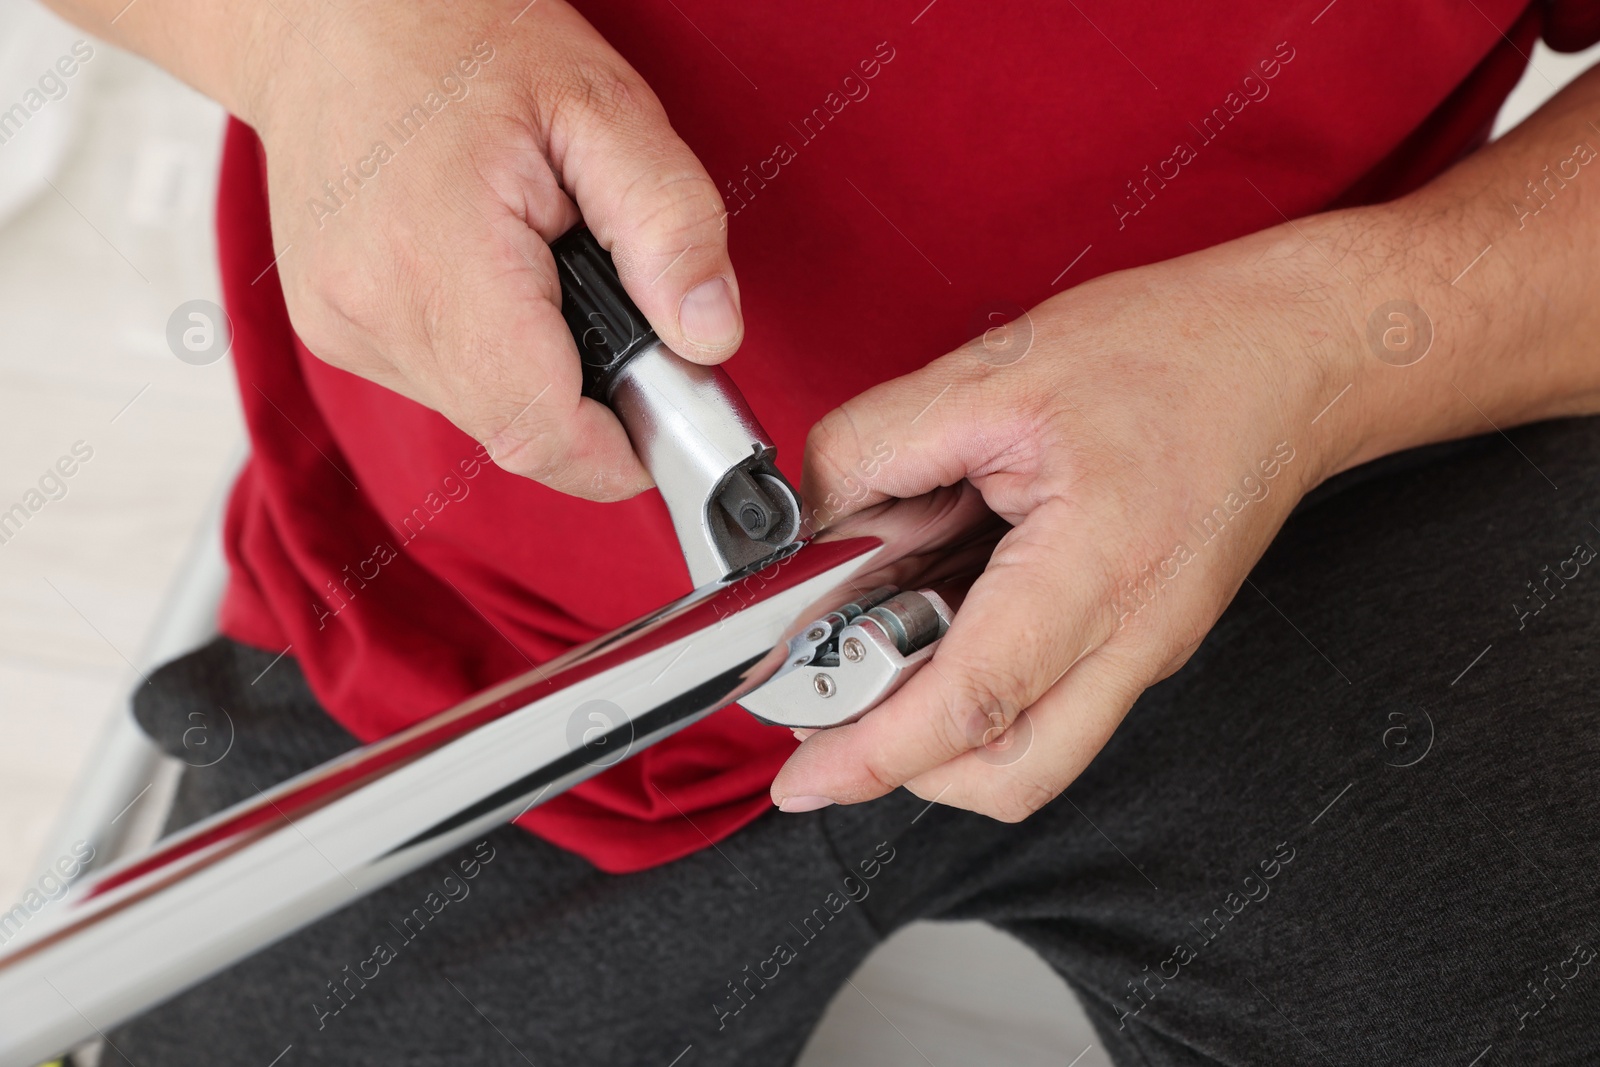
<point>105,230</point>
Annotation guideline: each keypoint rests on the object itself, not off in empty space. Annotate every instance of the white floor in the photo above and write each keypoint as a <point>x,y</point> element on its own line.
<point>954,995</point>
<point>90,270</point>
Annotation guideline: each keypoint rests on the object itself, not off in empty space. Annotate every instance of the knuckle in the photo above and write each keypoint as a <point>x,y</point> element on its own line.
<point>1185,640</point>
<point>832,453</point>
<point>1178,661</point>
<point>340,278</point>
<point>978,708</point>
<point>535,450</point>
<point>340,307</point>
<point>323,333</point>
<point>537,457</point>
<point>883,778</point>
<point>606,487</point>
<point>602,93</point>
<point>1018,800</point>
<point>674,205</point>
<point>833,436</point>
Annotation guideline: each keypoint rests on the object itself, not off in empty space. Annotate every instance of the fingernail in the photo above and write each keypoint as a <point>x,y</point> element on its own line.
<point>801,732</point>
<point>707,315</point>
<point>797,804</point>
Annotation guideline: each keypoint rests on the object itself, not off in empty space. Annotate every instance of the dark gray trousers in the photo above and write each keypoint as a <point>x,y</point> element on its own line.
<point>1361,826</point>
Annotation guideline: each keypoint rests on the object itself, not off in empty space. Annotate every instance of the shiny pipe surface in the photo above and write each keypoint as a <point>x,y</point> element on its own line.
<point>153,925</point>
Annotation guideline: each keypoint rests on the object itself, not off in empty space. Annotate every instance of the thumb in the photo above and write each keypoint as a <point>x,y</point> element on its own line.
<point>649,201</point>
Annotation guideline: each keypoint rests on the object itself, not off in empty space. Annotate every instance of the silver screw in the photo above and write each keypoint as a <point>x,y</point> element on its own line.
<point>824,685</point>
<point>816,633</point>
<point>853,649</point>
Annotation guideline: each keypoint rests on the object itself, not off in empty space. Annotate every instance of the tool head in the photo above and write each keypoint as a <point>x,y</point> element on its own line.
<point>713,463</point>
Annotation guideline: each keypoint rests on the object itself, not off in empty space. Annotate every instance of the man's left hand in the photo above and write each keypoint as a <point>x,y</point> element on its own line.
<point>1145,435</point>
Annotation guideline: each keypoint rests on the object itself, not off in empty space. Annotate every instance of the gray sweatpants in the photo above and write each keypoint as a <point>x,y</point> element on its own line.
<point>1361,826</point>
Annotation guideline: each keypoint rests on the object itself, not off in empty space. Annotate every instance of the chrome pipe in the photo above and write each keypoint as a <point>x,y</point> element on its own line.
<point>153,925</point>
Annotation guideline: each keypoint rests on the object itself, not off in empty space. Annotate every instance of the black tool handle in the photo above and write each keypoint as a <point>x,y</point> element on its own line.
<point>608,326</point>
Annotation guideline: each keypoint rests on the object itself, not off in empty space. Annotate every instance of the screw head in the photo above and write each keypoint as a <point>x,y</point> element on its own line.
<point>824,685</point>
<point>816,633</point>
<point>853,649</point>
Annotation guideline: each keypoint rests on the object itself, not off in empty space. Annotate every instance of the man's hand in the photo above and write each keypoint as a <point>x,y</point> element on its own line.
<point>420,159</point>
<point>1145,435</point>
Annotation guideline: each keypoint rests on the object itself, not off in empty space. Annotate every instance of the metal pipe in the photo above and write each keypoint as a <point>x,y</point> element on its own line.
<point>153,925</point>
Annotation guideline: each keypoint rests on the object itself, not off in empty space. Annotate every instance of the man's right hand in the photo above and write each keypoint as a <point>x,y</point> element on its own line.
<point>413,237</point>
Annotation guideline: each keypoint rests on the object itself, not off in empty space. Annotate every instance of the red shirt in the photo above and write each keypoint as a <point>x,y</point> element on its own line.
<point>893,176</point>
